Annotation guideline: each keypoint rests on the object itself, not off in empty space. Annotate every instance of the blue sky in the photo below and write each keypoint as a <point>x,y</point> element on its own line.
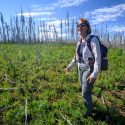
<point>106,12</point>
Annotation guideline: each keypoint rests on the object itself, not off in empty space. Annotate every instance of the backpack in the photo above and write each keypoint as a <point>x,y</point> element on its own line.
<point>104,51</point>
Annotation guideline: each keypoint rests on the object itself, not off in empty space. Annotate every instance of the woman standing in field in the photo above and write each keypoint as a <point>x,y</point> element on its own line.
<point>88,63</point>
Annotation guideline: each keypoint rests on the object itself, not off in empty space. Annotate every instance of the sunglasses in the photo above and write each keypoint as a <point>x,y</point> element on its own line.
<point>81,25</point>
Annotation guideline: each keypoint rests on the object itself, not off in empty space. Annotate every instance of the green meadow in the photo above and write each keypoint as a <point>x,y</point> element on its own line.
<point>34,89</point>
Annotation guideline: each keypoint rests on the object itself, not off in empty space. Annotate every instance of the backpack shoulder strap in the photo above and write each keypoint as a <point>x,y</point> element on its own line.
<point>89,43</point>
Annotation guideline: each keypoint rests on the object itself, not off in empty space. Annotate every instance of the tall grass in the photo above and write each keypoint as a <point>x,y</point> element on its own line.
<point>35,90</point>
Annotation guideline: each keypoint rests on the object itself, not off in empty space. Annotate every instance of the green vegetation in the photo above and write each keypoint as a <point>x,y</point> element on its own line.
<point>35,90</point>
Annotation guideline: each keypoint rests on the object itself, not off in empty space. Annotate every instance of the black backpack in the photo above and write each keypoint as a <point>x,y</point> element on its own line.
<point>104,51</point>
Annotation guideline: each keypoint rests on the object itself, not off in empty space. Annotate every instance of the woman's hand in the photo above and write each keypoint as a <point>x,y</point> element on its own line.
<point>68,69</point>
<point>91,79</point>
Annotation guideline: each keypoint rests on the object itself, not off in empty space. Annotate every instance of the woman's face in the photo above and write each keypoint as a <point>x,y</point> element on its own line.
<point>82,29</point>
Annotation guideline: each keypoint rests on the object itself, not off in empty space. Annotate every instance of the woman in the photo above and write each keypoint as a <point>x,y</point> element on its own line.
<point>88,63</point>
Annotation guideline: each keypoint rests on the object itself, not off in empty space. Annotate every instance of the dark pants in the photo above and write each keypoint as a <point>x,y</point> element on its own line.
<point>84,72</point>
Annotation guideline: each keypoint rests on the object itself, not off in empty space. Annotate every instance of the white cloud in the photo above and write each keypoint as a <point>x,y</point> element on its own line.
<point>43,19</point>
<point>106,14</point>
<point>47,10</point>
<point>40,10</point>
<point>27,14</point>
<point>48,7</point>
<point>35,5</point>
<point>59,3</point>
<point>43,8</point>
<point>55,22</point>
<point>69,3</point>
<point>116,28</point>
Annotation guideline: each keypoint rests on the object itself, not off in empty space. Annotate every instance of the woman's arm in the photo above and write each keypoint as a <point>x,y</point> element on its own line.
<point>97,55</point>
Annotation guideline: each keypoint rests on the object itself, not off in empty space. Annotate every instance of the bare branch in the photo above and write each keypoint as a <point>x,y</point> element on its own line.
<point>68,121</point>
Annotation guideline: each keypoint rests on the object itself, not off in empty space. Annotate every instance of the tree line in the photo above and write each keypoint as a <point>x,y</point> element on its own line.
<point>26,30</point>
